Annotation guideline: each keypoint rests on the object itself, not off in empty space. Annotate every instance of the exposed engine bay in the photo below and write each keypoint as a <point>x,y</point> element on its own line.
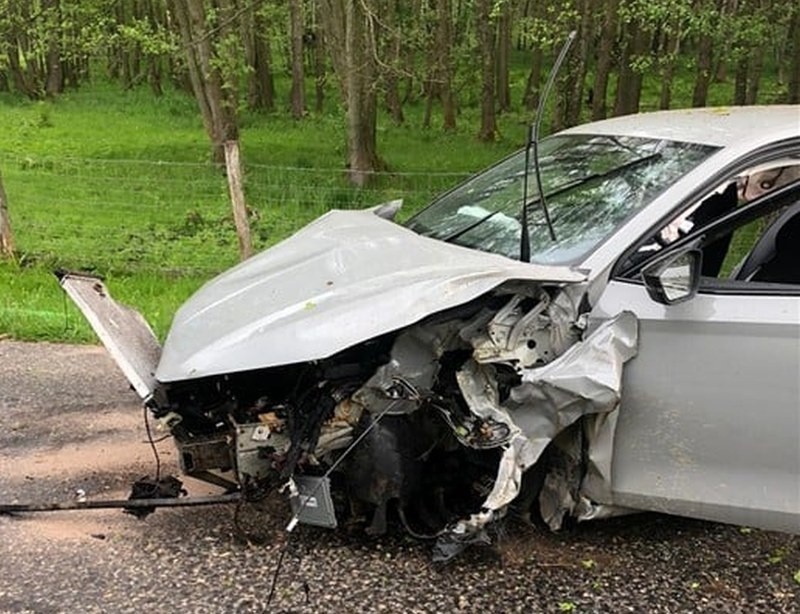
<point>373,374</point>
<point>454,418</point>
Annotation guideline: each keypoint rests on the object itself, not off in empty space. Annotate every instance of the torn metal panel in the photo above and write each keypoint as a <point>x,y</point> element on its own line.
<point>586,379</point>
<point>125,333</point>
<point>588,376</point>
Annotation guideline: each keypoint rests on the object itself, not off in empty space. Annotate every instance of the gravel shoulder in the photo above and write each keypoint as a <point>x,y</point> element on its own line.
<point>68,422</point>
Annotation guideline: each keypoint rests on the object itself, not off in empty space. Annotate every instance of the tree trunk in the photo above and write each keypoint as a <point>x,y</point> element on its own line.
<point>54,75</point>
<point>629,84</point>
<point>740,82</point>
<point>217,104</point>
<point>6,237</point>
<point>298,95</point>
<point>608,36</point>
<point>391,71</point>
<point>233,168</point>
<point>262,94</point>
<point>503,57</point>
<point>54,81</point>
<point>532,86</point>
<point>577,61</point>
<point>334,25</point>
<point>705,49</point>
<point>319,65</point>
<point>158,21</point>
<point>359,56</point>
<point>486,42</point>
<point>445,46</point>
<point>672,45</point>
<point>754,75</point>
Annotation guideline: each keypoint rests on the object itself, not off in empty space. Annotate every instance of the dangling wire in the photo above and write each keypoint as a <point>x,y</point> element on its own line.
<point>151,441</point>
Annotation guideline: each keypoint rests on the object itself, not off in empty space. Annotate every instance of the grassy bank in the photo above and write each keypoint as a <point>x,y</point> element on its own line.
<point>117,183</point>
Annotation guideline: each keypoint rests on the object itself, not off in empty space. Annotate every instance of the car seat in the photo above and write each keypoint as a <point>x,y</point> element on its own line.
<point>776,256</point>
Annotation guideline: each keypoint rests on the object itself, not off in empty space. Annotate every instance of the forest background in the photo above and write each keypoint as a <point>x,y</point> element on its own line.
<point>115,116</point>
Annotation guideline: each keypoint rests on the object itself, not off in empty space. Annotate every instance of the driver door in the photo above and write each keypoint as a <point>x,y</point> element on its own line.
<point>709,423</point>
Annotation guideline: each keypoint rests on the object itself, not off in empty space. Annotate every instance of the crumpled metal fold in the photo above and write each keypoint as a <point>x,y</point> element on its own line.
<point>585,380</point>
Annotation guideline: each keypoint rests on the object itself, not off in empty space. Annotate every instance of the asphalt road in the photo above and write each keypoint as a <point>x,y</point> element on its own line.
<point>68,423</point>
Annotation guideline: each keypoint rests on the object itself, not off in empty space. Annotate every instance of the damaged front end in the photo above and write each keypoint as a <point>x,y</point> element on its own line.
<point>497,397</point>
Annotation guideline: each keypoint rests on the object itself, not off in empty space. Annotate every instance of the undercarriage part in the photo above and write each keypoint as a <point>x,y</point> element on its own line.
<point>255,446</point>
<point>204,453</point>
<point>150,504</point>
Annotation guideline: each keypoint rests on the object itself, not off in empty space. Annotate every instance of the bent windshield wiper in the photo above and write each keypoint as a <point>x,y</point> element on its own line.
<point>533,144</point>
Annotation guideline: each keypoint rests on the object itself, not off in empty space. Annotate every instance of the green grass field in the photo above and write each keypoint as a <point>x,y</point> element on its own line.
<point>117,182</point>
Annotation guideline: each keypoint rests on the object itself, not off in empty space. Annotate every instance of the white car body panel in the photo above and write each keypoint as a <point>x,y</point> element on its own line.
<point>709,423</point>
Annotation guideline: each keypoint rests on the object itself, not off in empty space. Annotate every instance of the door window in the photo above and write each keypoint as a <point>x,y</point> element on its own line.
<point>748,229</point>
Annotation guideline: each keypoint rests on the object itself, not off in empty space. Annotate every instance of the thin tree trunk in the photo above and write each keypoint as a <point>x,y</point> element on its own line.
<point>705,49</point>
<point>629,84</point>
<point>54,80</point>
<point>319,64</point>
<point>503,57</point>
<point>532,86</point>
<point>157,20</point>
<point>361,94</point>
<point>486,42</point>
<point>740,82</point>
<point>445,43</point>
<point>217,106</point>
<point>392,69</point>
<point>754,75</point>
<point>430,87</point>
<point>7,246</point>
<point>668,66</point>
<point>578,61</point>
<point>263,93</point>
<point>298,94</point>
<point>608,36</point>
<point>233,168</point>
<point>333,19</point>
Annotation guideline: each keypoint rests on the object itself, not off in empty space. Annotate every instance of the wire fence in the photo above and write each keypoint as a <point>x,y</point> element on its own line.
<point>132,216</point>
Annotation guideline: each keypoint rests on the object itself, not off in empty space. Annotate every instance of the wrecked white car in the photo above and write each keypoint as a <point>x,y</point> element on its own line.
<point>629,338</point>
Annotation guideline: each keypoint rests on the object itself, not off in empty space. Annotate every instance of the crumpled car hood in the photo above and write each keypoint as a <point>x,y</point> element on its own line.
<point>345,278</point>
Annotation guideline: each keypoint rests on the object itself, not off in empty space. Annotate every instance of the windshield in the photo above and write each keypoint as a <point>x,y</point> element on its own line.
<point>592,185</point>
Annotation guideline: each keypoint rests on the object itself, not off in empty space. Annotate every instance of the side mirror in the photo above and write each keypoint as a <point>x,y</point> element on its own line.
<point>675,278</point>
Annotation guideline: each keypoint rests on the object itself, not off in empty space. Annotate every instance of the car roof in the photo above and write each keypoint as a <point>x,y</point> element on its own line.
<point>719,126</point>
